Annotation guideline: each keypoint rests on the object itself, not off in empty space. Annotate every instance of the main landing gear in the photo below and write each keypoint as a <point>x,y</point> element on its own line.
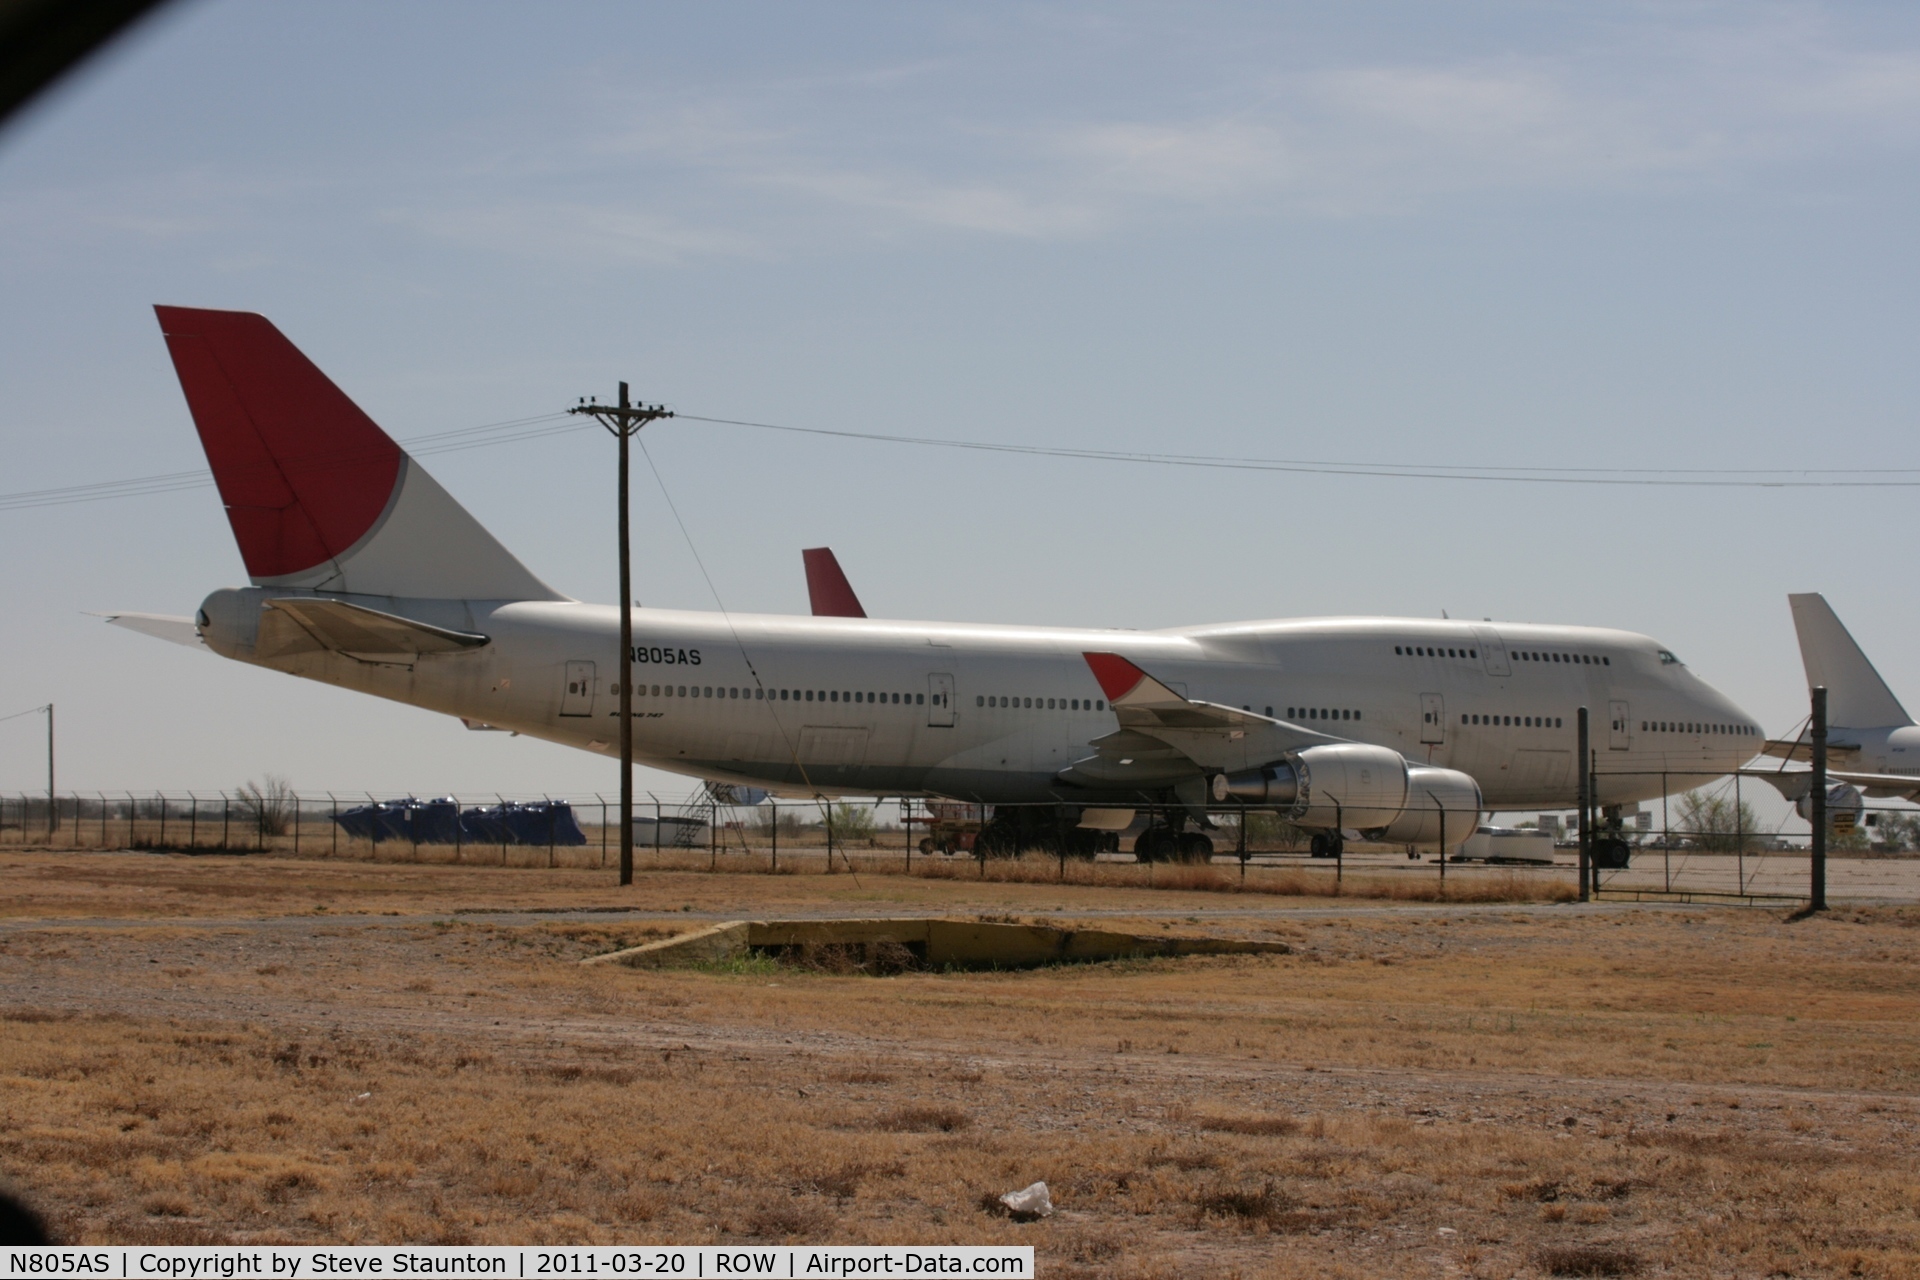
<point>1326,846</point>
<point>1160,843</point>
<point>1014,829</point>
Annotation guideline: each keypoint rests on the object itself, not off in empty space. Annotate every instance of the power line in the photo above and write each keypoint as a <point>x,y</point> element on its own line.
<point>515,430</point>
<point>1662,477</point>
<point>483,436</point>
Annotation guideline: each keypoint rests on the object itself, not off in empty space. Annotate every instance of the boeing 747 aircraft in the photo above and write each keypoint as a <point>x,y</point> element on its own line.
<point>366,574</point>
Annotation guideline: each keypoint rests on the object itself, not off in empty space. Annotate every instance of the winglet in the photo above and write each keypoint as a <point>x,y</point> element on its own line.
<point>1126,684</point>
<point>828,591</point>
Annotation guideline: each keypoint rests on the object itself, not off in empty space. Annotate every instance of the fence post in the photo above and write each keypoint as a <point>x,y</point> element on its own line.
<point>906,811</point>
<point>552,823</point>
<point>226,820</point>
<point>458,842</point>
<point>296,824</point>
<point>1739,840</point>
<point>774,827</point>
<point>503,827</point>
<point>333,816</point>
<point>193,821</point>
<point>1586,801</point>
<point>826,810</point>
<point>1817,848</point>
<point>1443,842</point>
<point>163,818</point>
<point>1666,835</point>
<point>603,829</point>
<point>1240,842</point>
<point>103,818</point>
<point>1339,848</point>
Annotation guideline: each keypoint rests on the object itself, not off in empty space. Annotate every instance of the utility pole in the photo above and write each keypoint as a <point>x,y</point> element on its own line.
<point>624,420</point>
<point>1586,805</point>
<point>1817,897</point>
<point>53,810</point>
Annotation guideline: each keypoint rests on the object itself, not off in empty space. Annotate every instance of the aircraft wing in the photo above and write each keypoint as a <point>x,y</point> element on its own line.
<point>1165,738</point>
<point>1800,749</point>
<point>1794,784</point>
<point>160,625</point>
<point>306,625</point>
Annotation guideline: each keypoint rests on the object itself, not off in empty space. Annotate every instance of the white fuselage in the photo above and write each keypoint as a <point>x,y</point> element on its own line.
<point>1888,749</point>
<point>856,706</point>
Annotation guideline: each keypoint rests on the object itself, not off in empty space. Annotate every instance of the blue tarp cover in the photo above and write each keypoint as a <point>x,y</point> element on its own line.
<point>548,822</point>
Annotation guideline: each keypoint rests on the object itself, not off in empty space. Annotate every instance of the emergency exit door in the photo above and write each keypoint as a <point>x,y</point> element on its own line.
<point>940,701</point>
<point>1433,718</point>
<point>577,700</point>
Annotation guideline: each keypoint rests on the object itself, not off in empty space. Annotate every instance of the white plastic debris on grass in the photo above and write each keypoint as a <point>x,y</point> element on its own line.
<point>1029,1202</point>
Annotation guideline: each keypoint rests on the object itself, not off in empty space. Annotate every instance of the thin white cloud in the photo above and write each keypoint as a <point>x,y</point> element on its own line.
<point>577,230</point>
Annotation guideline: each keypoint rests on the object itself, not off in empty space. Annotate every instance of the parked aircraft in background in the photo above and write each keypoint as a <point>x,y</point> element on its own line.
<point>366,574</point>
<point>829,594</point>
<point>1872,743</point>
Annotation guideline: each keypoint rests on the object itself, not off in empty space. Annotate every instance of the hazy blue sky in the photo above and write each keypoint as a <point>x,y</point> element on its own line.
<point>1582,235</point>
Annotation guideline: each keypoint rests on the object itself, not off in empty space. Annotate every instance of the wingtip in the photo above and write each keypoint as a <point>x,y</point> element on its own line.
<point>1117,676</point>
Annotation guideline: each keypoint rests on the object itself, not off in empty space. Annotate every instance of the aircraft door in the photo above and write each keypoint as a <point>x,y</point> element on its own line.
<point>1493,651</point>
<point>940,701</point>
<point>578,699</point>
<point>1433,718</point>
<point>1619,736</point>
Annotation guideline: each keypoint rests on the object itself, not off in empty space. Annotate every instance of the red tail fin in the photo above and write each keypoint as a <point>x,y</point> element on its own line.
<point>318,496</point>
<point>303,472</point>
<point>828,590</point>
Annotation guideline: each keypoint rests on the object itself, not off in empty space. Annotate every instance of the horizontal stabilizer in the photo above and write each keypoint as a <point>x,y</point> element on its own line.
<point>306,625</point>
<point>159,625</point>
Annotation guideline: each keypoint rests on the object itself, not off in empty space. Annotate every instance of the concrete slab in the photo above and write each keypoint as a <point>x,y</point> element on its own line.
<point>970,944</point>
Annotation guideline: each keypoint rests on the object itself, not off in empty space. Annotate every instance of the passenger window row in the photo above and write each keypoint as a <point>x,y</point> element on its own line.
<point>1517,722</point>
<point>1319,713</point>
<point>776,695</point>
<point>1040,704</point>
<point>1584,659</point>
<point>1433,651</point>
<point>1689,726</point>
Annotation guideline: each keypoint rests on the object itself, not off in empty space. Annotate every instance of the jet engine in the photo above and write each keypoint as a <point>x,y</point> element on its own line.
<point>1844,807</point>
<point>1354,786</point>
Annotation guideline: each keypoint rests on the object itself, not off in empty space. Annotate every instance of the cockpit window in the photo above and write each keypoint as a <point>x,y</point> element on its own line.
<point>1668,660</point>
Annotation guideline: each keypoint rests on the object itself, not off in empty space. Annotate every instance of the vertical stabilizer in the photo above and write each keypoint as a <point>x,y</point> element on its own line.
<point>317,494</point>
<point>828,590</point>
<point>1856,695</point>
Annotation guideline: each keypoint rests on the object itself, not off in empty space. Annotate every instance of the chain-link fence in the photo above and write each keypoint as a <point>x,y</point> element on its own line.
<point>1701,845</point>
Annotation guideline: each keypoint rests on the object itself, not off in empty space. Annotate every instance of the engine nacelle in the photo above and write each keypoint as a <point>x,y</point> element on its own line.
<point>1339,785</point>
<point>1354,786</point>
<point>1443,808</point>
<point>1844,807</point>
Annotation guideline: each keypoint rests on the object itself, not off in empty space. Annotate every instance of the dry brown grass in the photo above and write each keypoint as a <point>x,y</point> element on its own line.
<point>1484,1092</point>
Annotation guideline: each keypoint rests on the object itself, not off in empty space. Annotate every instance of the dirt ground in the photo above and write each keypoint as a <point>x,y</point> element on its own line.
<point>211,1048</point>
